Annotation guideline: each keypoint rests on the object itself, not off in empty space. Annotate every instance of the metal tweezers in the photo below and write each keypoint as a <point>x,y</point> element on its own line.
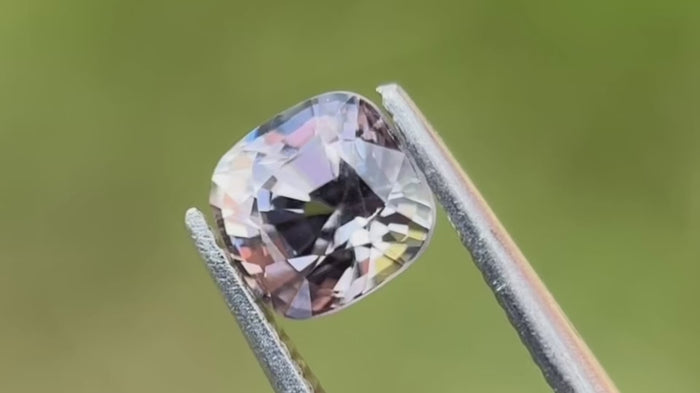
<point>566,362</point>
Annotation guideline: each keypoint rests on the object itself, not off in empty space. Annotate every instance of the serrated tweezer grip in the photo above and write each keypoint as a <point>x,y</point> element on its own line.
<point>565,360</point>
<point>283,367</point>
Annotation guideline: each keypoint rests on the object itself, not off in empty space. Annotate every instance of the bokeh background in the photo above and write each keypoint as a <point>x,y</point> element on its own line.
<point>578,120</point>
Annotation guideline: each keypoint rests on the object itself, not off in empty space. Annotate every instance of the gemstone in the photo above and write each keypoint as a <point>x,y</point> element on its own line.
<point>319,206</point>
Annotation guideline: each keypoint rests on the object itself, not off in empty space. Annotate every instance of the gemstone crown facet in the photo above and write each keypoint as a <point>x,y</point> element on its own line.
<point>319,206</point>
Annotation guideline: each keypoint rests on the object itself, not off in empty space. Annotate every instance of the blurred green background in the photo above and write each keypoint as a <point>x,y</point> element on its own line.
<point>578,120</point>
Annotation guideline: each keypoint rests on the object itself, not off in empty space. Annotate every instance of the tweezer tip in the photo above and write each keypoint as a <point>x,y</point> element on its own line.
<point>192,214</point>
<point>388,88</point>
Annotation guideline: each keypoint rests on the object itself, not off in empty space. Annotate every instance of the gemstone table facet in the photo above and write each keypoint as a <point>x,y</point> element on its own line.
<point>319,206</point>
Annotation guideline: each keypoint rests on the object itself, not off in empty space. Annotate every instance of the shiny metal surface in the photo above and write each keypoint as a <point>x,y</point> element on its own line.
<point>283,367</point>
<point>565,360</point>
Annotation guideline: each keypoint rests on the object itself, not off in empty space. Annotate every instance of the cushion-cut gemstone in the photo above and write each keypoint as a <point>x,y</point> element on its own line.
<point>319,206</point>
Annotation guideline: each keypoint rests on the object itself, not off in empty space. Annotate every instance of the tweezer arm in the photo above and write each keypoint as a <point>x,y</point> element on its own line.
<point>565,360</point>
<point>283,368</point>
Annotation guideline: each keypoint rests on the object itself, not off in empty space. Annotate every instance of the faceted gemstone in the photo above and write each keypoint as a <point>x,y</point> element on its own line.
<point>319,206</point>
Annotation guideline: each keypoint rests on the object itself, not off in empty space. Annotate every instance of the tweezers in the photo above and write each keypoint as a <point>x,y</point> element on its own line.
<point>566,362</point>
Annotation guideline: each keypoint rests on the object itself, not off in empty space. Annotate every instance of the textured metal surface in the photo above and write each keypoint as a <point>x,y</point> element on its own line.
<point>566,362</point>
<point>282,365</point>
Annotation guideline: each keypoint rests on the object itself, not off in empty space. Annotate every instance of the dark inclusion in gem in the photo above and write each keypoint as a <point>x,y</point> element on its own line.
<point>318,207</point>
